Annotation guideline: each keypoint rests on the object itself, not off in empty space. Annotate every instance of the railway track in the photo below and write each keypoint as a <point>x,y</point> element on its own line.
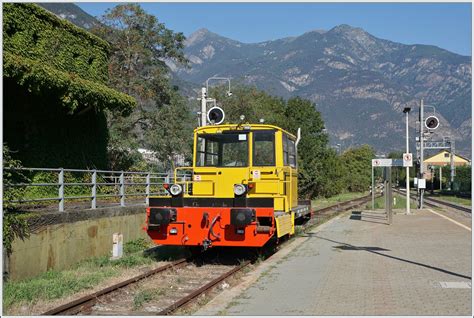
<point>168,288</point>
<point>158,292</point>
<point>429,201</point>
<point>343,206</point>
<point>441,203</point>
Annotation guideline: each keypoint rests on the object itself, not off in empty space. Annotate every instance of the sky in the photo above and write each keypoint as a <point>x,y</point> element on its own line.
<point>447,25</point>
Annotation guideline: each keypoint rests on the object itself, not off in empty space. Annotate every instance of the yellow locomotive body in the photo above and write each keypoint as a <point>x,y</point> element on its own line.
<point>244,190</point>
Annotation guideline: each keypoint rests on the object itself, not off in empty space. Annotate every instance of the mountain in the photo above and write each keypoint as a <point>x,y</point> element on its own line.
<point>72,13</point>
<point>359,82</point>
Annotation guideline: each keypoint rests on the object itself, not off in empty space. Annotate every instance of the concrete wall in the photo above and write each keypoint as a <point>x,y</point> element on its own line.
<point>62,239</point>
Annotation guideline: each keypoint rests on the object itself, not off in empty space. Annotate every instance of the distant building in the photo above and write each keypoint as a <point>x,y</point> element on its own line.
<point>441,159</point>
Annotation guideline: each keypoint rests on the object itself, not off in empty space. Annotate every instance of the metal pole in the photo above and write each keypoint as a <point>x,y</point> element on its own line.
<point>122,189</point>
<point>440,178</point>
<point>203,106</point>
<point>408,170</point>
<point>94,190</point>
<point>61,190</point>
<point>453,171</point>
<point>373,189</point>
<point>432,170</point>
<point>421,151</point>
<point>147,189</point>
<point>385,190</point>
<point>390,198</point>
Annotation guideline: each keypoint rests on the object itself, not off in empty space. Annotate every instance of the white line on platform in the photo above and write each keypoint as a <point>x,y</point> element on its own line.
<point>455,284</point>
<point>449,219</point>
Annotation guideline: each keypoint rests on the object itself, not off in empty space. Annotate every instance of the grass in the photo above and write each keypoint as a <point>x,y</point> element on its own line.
<point>454,199</point>
<point>321,203</point>
<point>87,274</point>
<point>399,202</point>
<point>142,297</point>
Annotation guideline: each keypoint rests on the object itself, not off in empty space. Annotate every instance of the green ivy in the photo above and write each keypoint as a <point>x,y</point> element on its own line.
<point>71,90</point>
<point>14,222</point>
<point>32,32</point>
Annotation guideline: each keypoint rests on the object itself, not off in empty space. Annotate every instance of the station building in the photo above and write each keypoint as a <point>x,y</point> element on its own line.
<point>442,159</point>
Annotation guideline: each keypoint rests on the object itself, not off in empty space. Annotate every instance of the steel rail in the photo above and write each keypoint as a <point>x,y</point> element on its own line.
<point>437,203</point>
<point>440,203</point>
<point>201,290</point>
<point>77,305</point>
<point>344,205</point>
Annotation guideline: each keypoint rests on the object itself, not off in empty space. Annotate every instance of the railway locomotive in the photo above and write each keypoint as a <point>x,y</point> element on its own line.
<point>242,190</point>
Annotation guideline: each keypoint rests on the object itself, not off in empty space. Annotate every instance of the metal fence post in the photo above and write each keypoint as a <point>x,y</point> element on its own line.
<point>94,190</point>
<point>122,189</point>
<point>61,190</point>
<point>147,189</point>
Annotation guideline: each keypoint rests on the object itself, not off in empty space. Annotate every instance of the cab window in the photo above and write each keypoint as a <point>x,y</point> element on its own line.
<point>222,150</point>
<point>264,148</point>
<point>289,151</point>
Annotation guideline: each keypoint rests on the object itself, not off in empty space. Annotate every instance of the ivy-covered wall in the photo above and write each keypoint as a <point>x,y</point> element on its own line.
<point>32,32</point>
<point>41,133</point>
<point>55,90</point>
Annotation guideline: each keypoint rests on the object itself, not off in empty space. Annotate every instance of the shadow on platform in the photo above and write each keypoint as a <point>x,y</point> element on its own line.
<point>369,217</point>
<point>374,250</point>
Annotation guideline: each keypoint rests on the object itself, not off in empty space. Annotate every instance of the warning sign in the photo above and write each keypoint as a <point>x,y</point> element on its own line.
<point>407,160</point>
<point>387,162</point>
<point>381,162</point>
<point>256,174</point>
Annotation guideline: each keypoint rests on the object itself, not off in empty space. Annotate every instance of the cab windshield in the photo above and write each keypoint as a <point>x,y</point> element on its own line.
<point>222,150</point>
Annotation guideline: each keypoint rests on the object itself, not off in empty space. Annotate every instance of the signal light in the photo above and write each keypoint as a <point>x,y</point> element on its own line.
<point>432,122</point>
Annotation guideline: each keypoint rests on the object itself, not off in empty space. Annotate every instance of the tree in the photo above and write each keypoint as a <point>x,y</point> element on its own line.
<point>358,162</point>
<point>250,102</point>
<point>314,157</point>
<point>140,45</point>
<point>174,137</point>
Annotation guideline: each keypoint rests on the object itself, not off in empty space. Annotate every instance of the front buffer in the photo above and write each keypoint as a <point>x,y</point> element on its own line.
<point>210,226</point>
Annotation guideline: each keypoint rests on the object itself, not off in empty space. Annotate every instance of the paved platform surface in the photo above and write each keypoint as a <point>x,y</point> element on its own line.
<point>358,265</point>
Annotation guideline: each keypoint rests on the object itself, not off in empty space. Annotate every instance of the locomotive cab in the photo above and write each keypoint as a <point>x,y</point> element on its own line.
<point>242,191</point>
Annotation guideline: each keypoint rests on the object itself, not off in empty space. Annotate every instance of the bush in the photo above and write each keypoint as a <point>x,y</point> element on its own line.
<point>14,222</point>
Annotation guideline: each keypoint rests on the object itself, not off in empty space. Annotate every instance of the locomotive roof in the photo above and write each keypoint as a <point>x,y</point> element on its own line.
<point>217,128</point>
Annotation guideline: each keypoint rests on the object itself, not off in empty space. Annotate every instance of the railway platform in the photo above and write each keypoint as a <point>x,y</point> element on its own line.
<point>356,264</point>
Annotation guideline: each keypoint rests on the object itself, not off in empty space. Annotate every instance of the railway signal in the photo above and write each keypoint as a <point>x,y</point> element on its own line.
<point>432,122</point>
<point>215,115</point>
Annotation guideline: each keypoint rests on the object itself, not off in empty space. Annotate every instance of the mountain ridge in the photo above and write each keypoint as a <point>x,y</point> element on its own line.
<point>358,81</point>
<point>345,67</point>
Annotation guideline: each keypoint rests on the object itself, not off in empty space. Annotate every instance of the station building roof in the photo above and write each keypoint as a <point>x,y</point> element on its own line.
<point>443,158</point>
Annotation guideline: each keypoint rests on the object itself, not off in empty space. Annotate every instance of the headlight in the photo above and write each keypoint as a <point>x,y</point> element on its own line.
<point>176,189</point>
<point>239,189</point>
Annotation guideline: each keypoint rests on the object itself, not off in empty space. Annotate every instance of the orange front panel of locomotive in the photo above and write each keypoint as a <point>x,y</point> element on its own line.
<point>192,227</point>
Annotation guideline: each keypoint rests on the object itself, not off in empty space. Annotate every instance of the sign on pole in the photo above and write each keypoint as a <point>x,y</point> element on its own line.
<point>421,183</point>
<point>381,162</point>
<point>407,160</point>
<point>387,162</point>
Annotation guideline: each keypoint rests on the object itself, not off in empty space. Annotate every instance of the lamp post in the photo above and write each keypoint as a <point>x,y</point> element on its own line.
<point>406,110</point>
